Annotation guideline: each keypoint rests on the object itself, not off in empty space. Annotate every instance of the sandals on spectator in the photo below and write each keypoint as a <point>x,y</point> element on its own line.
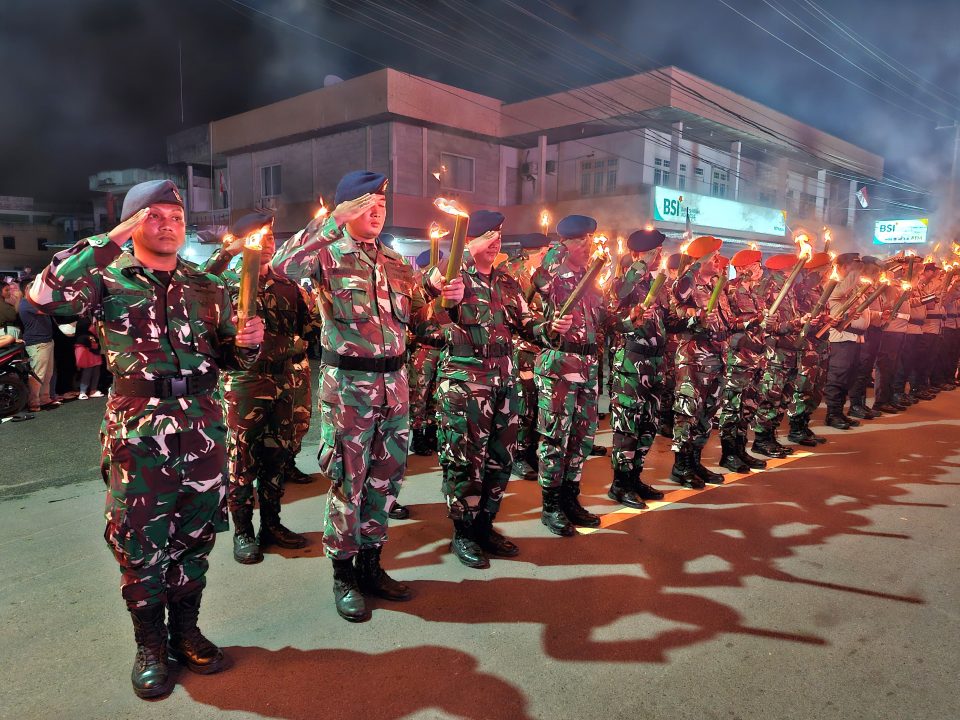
<point>33,408</point>
<point>52,405</point>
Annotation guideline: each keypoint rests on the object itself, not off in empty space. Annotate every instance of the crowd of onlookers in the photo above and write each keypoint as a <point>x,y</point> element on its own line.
<point>64,352</point>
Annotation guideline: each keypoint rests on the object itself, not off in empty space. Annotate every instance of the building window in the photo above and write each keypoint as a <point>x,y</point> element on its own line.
<point>271,184</point>
<point>41,244</point>
<point>9,242</point>
<point>661,172</point>
<point>682,177</point>
<point>598,177</point>
<point>457,172</point>
<point>720,178</point>
<point>767,198</point>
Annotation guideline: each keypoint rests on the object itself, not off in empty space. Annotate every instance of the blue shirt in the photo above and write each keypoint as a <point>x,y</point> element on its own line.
<point>37,328</point>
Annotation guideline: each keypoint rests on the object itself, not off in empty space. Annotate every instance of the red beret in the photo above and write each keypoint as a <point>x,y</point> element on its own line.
<point>742,258</point>
<point>703,246</point>
<point>783,261</point>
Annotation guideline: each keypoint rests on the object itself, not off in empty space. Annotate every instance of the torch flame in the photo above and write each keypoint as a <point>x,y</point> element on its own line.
<point>321,211</point>
<point>436,232</point>
<point>833,255</point>
<point>806,249</point>
<point>834,275</point>
<point>884,279</point>
<point>648,227</point>
<point>449,207</point>
<point>910,253</point>
<point>254,239</point>
<point>663,264</point>
<point>936,247</point>
<point>754,246</point>
<point>544,220</point>
<point>904,285</point>
<point>619,245</point>
<point>864,280</point>
<point>604,278</point>
<point>683,248</point>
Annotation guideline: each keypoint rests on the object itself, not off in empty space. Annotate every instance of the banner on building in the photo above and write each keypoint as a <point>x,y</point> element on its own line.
<point>671,205</point>
<point>900,232</point>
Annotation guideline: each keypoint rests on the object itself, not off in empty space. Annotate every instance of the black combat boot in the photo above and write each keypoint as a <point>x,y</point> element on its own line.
<point>273,533</point>
<point>421,443</point>
<point>398,511</point>
<point>682,471</point>
<point>837,421</point>
<point>372,579</point>
<point>346,593</point>
<point>818,439</point>
<point>150,675</point>
<point>861,411</point>
<point>764,444</point>
<point>702,471</point>
<point>552,514</point>
<point>575,512</point>
<point>187,644</point>
<point>293,474</point>
<point>623,492</point>
<point>785,449</point>
<point>432,439</point>
<point>730,458</point>
<point>489,539</point>
<point>245,547</point>
<point>749,460</point>
<point>850,421</point>
<point>798,433</point>
<point>643,490</point>
<point>598,451</point>
<point>465,547</point>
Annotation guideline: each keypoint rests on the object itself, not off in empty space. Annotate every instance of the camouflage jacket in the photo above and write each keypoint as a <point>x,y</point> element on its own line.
<point>518,269</point>
<point>627,293</point>
<point>554,282</point>
<point>191,334</point>
<point>369,296</point>
<point>746,339</point>
<point>492,311</point>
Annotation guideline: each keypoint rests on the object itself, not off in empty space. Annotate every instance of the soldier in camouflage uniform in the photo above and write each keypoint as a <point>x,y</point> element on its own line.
<point>636,378</point>
<point>165,328</point>
<point>808,387</point>
<point>743,365</point>
<point>565,375</point>
<point>521,268</point>
<point>300,382</point>
<point>259,400</point>
<point>780,360</point>
<point>699,364</point>
<point>369,298</point>
<point>422,371</point>
<point>478,395</point>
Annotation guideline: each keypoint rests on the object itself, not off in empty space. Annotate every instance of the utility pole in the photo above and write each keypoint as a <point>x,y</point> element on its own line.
<point>953,170</point>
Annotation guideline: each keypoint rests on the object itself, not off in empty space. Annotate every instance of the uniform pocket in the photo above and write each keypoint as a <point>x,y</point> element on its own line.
<point>350,298</point>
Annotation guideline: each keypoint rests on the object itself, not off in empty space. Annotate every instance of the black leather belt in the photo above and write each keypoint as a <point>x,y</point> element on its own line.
<point>578,348</point>
<point>361,364</point>
<point>644,350</point>
<point>431,342</point>
<point>480,351</point>
<point>917,323</point>
<point>165,387</point>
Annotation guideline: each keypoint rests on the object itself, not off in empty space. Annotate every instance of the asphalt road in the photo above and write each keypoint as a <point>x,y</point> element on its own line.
<point>827,587</point>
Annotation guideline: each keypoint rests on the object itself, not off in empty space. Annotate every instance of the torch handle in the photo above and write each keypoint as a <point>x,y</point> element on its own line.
<point>455,260</point>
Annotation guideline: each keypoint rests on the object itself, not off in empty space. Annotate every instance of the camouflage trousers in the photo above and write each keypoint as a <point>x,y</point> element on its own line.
<point>566,422</point>
<point>696,399</point>
<point>423,383</point>
<point>669,385</point>
<point>634,412</point>
<point>776,389</point>
<point>739,399</point>
<point>164,507</point>
<point>259,414</point>
<point>363,452</point>
<point>808,385</point>
<point>478,435</point>
<point>527,412</point>
<point>301,381</point>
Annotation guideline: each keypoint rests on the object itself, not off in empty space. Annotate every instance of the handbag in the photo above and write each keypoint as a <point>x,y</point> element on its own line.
<point>85,357</point>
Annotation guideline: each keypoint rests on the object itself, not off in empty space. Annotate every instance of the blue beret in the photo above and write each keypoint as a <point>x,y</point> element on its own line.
<point>576,226</point>
<point>357,183</point>
<point>153,192</point>
<point>482,221</point>
<point>534,241</point>
<point>251,223</point>
<point>643,240</point>
<point>423,259</point>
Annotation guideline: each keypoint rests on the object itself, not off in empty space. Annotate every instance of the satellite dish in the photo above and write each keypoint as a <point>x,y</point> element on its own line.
<point>332,80</point>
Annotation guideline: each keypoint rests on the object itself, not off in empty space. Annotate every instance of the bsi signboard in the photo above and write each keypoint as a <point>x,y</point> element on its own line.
<point>900,232</point>
<point>671,205</point>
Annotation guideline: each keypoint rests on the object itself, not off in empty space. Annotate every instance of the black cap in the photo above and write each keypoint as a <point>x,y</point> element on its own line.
<point>357,183</point>
<point>145,194</point>
<point>644,240</point>
<point>534,241</point>
<point>482,221</point>
<point>251,223</point>
<point>576,226</point>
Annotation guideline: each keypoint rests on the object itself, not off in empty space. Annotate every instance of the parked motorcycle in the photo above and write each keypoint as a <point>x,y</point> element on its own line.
<point>15,374</point>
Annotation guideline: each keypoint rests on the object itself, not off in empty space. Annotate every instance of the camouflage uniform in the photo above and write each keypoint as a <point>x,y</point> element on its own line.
<point>743,364</point>
<point>259,401</point>
<point>477,392</point>
<point>163,449</point>
<point>422,373</point>
<point>780,366</point>
<point>636,376</point>
<point>808,386</point>
<point>370,296</point>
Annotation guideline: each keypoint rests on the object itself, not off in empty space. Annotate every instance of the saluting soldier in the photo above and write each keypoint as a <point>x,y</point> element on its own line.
<point>478,395</point>
<point>259,401</point>
<point>636,376</point>
<point>166,328</point>
<point>370,296</point>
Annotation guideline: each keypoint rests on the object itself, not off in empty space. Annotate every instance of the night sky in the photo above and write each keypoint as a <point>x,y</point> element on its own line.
<point>90,85</point>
